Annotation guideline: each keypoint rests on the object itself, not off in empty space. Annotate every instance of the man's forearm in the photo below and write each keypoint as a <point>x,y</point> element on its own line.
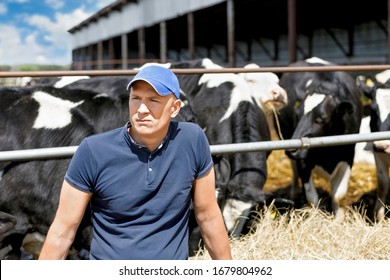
<point>216,239</point>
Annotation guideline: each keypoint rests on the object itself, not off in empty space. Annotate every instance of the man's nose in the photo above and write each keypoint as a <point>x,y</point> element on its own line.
<point>143,108</point>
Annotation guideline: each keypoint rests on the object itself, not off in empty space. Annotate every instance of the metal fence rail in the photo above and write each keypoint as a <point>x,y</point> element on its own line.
<point>67,152</point>
<point>53,73</point>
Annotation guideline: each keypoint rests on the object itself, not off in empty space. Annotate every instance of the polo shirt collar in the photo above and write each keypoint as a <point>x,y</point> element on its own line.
<point>128,125</point>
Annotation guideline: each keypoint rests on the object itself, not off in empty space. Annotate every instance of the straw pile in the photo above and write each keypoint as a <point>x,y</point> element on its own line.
<point>309,233</point>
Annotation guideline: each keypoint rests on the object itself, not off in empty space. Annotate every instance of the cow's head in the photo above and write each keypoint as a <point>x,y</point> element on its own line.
<point>378,91</point>
<point>380,117</point>
<point>322,115</point>
<point>265,89</point>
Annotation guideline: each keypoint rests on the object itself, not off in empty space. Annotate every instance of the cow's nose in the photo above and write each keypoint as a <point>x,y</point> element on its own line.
<point>382,146</point>
<point>292,153</point>
<point>297,154</point>
<point>279,95</point>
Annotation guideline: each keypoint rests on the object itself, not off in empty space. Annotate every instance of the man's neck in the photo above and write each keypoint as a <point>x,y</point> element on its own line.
<point>151,143</point>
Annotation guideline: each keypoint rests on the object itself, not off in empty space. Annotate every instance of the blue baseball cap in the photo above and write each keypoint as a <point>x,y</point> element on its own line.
<point>163,80</point>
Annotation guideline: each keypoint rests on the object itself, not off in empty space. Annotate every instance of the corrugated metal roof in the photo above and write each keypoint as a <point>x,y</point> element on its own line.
<point>116,6</point>
<point>175,7</point>
<point>126,16</point>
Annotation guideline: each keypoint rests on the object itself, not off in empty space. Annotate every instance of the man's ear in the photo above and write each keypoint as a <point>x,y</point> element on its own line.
<point>176,108</point>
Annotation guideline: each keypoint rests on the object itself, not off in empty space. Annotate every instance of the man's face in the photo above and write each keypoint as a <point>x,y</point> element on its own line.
<point>150,113</point>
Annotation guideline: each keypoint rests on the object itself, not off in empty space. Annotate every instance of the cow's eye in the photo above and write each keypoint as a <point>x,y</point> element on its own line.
<point>319,120</point>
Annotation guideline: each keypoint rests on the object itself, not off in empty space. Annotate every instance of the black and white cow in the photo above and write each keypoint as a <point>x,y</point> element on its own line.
<point>113,86</point>
<point>296,85</point>
<point>323,104</point>
<point>42,110</point>
<point>7,228</point>
<point>378,90</point>
<point>29,191</point>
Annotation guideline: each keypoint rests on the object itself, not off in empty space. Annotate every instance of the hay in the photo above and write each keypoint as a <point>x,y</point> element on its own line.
<point>311,234</point>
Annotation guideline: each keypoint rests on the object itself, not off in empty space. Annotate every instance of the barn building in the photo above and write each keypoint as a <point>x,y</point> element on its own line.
<point>233,33</point>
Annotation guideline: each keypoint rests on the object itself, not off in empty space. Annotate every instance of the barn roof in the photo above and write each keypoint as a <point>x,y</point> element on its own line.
<point>349,31</point>
<point>106,11</point>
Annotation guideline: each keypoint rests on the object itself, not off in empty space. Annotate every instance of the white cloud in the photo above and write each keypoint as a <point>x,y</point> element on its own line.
<point>48,40</point>
<point>14,50</point>
<point>61,23</point>
<point>3,9</point>
<point>55,33</point>
<point>55,4</point>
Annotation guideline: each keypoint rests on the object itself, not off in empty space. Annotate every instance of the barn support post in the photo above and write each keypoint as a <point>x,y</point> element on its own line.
<point>124,50</point>
<point>74,59</point>
<point>141,45</point>
<point>388,31</point>
<point>79,62</point>
<point>82,58</point>
<point>292,31</point>
<point>191,35</point>
<point>230,34</point>
<point>111,54</point>
<point>100,55</point>
<point>91,57</point>
<point>163,41</point>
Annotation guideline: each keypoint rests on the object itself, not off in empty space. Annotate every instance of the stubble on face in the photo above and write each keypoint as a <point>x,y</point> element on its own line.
<point>150,114</point>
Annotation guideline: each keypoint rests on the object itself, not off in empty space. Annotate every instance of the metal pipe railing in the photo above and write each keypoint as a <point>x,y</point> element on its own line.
<point>307,143</point>
<point>196,71</point>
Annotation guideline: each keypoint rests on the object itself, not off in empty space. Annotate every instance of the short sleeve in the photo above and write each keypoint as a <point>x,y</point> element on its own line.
<point>203,154</point>
<point>82,168</point>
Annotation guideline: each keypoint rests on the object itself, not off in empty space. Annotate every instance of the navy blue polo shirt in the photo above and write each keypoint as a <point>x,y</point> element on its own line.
<point>141,200</point>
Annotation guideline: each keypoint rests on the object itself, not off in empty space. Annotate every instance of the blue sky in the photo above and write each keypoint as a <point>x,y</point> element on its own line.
<point>36,31</point>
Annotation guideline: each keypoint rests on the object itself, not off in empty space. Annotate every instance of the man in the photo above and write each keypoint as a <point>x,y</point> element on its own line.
<point>139,180</point>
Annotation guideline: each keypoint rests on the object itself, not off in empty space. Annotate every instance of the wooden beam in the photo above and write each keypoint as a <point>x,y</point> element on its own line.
<point>388,31</point>
<point>141,44</point>
<point>100,55</point>
<point>124,51</point>
<point>292,31</point>
<point>230,34</point>
<point>91,57</point>
<point>191,35</point>
<point>163,42</point>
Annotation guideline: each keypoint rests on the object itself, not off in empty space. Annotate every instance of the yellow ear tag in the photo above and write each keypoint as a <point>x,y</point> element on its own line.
<point>369,82</point>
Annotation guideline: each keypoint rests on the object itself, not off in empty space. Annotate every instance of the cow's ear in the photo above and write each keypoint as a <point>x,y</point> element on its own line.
<point>222,171</point>
<point>367,86</point>
<point>175,108</point>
